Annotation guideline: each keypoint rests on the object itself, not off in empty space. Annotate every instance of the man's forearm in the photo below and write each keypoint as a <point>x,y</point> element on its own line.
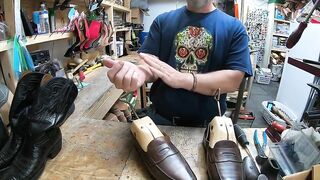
<point>207,84</point>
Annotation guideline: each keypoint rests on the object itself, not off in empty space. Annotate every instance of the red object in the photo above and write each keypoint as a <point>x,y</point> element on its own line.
<point>278,127</point>
<point>236,10</point>
<point>94,33</point>
<point>81,76</point>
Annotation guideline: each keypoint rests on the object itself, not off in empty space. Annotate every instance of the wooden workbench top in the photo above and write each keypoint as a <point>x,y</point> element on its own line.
<point>96,149</point>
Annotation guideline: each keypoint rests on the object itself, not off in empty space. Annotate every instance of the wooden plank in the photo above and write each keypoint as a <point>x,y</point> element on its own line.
<point>310,68</point>
<point>115,6</point>
<point>42,38</point>
<point>10,16</point>
<point>104,104</point>
<point>6,60</point>
<point>5,45</point>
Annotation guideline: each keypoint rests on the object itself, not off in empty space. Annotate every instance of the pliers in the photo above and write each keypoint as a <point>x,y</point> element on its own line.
<point>261,157</point>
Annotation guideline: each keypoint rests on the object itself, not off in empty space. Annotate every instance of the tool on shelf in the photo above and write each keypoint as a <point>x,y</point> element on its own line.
<point>261,157</point>
<point>296,35</point>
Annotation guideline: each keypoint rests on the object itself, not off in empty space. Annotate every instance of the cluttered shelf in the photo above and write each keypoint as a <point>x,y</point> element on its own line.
<point>115,6</point>
<point>310,68</point>
<point>36,39</point>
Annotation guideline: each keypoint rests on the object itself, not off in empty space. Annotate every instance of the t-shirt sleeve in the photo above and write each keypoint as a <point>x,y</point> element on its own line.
<point>151,44</point>
<point>238,57</point>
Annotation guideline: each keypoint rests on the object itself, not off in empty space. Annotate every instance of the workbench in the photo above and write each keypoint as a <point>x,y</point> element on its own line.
<point>97,149</point>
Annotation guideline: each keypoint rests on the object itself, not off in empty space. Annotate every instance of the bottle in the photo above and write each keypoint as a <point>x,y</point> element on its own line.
<point>44,19</point>
<point>52,20</point>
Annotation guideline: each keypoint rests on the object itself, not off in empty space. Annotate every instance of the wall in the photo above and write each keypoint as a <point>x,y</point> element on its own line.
<point>293,90</point>
<point>157,7</point>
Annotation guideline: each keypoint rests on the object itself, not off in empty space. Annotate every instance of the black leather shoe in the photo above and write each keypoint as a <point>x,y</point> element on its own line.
<point>3,134</point>
<point>43,139</point>
<point>26,91</point>
<point>30,161</point>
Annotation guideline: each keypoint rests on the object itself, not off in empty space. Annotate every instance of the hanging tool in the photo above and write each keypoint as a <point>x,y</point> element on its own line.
<point>296,35</point>
<point>261,157</point>
<point>242,139</point>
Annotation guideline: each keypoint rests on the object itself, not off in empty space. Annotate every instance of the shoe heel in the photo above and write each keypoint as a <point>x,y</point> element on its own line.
<point>55,150</point>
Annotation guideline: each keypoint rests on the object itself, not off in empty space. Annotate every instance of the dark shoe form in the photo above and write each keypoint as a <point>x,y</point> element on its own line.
<point>43,139</point>
<point>30,161</point>
<point>3,134</point>
<point>164,161</point>
<point>250,170</point>
<point>271,169</point>
<point>25,92</point>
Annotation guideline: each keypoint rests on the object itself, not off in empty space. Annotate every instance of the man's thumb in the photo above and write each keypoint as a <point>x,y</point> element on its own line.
<point>108,62</point>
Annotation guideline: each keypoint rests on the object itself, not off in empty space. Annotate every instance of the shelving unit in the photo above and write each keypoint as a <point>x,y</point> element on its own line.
<point>278,32</point>
<point>111,7</point>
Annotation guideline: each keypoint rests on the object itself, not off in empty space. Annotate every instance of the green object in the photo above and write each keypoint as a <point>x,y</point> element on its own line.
<point>276,1</point>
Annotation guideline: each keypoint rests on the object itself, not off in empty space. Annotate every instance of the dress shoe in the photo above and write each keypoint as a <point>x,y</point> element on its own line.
<point>223,158</point>
<point>224,161</point>
<point>43,139</point>
<point>3,134</point>
<point>26,91</point>
<point>164,161</point>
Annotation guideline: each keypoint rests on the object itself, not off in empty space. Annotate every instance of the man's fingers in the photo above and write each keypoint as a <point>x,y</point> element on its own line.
<point>119,77</point>
<point>127,80</point>
<point>150,60</point>
<point>108,62</point>
<point>114,70</point>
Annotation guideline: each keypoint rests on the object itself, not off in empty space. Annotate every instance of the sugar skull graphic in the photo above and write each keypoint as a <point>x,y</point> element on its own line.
<point>193,45</point>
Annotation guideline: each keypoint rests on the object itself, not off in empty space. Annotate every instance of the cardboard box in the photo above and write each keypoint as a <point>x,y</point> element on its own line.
<point>312,174</point>
<point>136,16</point>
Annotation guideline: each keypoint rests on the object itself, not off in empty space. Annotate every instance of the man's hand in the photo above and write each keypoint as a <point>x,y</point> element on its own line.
<point>125,75</point>
<point>168,74</point>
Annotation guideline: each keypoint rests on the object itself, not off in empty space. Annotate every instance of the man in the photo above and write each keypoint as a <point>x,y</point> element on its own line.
<point>189,54</point>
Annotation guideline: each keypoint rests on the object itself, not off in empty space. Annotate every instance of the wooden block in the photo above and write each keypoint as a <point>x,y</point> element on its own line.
<point>104,104</point>
<point>144,130</point>
<point>221,128</point>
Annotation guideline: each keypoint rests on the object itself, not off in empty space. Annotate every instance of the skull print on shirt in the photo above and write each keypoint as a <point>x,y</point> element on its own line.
<point>193,45</point>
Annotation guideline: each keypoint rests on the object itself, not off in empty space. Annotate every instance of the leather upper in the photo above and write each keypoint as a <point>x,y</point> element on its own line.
<point>224,161</point>
<point>164,161</point>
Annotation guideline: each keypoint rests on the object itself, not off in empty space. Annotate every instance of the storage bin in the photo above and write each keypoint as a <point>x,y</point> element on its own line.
<point>263,76</point>
<point>268,116</point>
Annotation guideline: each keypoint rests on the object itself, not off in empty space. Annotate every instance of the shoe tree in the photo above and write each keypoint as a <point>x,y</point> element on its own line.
<point>221,128</point>
<point>144,130</point>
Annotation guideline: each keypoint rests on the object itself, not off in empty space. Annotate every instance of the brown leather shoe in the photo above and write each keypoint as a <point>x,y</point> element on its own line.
<point>164,161</point>
<point>224,160</point>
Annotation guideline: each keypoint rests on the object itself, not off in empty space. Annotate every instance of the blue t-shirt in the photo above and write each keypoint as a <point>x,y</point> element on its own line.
<point>200,43</point>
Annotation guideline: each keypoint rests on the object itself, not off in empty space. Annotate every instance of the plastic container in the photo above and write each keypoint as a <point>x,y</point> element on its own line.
<point>268,116</point>
<point>44,20</point>
<point>295,153</point>
<point>263,76</point>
